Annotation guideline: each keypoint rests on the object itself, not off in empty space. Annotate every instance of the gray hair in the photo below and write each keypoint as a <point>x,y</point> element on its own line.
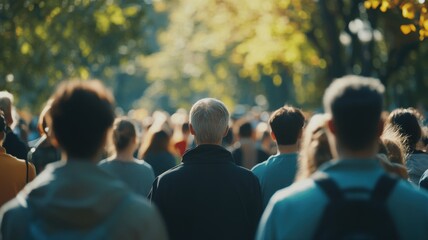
<point>210,120</point>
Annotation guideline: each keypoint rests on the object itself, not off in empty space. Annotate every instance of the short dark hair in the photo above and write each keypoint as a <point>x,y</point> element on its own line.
<point>81,113</point>
<point>356,104</point>
<point>287,123</point>
<point>406,121</point>
<point>245,129</point>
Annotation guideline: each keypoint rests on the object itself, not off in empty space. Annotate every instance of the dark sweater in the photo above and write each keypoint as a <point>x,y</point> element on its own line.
<point>15,146</point>
<point>208,197</point>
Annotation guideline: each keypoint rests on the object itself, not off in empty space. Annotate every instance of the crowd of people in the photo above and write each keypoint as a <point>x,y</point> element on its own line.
<point>352,172</point>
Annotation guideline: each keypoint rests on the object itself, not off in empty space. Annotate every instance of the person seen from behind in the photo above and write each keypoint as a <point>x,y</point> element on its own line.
<point>406,121</point>
<point>43,151</point>
<point>13,144</point>
<point>156,150</point>
<point>207,196</point>
<point>13,171</point>
<point>246,153</point>
<point>74,198</point>
<point>137,174</point>
<point>279,170</point>
<point>352,196</point>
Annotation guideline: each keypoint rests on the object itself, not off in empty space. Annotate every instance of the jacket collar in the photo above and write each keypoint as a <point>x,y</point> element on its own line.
<point>207,153</point>
<point>351,165</point>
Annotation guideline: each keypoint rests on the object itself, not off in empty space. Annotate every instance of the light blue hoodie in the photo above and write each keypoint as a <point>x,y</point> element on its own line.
<point>77,200</point>
<point>295,212</point>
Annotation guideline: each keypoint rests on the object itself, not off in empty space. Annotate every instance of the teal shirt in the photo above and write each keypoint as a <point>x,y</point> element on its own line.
<point>294,212</point>
<point>276,173</point>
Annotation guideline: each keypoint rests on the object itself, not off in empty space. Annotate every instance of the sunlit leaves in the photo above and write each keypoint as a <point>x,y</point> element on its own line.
<point>415,11</point>
<point>43,42</point>
<point>408,28</point>
<point>228,41</point>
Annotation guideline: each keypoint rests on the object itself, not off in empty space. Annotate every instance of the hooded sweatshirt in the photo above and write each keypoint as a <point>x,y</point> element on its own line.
<point>77,200</point>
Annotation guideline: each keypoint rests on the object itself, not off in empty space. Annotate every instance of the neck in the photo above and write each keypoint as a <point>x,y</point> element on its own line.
<point>126,155</point>
<point>282,149</point>
<point>369,153</point>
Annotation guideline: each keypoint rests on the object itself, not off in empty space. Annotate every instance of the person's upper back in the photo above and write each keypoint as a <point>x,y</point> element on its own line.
<point>12,175</point>
<point>208,197</point>
<point>416,164</point>
<point>304,203</point>
<point>137,174</point>
<point>277,172</point>
<point>77,200</point>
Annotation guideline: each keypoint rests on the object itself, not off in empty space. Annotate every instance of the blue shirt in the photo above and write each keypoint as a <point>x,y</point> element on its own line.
<point>276,173</point>
<point>294,212</point>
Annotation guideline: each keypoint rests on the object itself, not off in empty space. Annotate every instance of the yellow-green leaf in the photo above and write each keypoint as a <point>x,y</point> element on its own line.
<point>406,29</point>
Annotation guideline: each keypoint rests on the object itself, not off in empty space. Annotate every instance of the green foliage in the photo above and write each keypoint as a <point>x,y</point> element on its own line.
<point>175,52</point>
<point>43,42</point>
<point>286,50</point>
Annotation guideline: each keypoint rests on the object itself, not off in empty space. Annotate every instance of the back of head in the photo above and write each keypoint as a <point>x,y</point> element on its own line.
<point>124,132</point>
<point>81,113</point>
<point>6,101</point>
<point>287,123</point>
<point>315,148</point>
<point>209,119</point>
<point>393,145</point>
<point>158,142</point>
<point>355,104</point>
<point>245,130</point>
<point>406,122</point>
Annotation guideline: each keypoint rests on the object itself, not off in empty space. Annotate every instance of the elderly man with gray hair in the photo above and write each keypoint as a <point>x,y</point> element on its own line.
<point>207,196</point>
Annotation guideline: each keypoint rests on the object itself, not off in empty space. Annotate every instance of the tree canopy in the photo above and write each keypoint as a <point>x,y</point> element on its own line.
<point>172,52</point>
<point>43,42</point>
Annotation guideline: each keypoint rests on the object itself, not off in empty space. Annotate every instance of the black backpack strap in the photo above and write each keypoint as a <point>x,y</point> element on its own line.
<point>383,188</point>
<point>329,187</point>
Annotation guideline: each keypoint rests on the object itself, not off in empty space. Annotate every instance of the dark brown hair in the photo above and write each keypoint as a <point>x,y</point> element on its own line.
<point>81,113</point>
<point>156,142</point>
<point>287,123</point>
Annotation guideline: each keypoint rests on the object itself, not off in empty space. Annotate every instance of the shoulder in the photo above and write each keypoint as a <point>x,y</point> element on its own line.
<point>289,209</point>
<point>140,207</point>
<point>104,162</point>
<point>14,161</point>
<point>404,189</point>
<point>144,217</point>
<point>142,164</point>
<point>13,214</point>
<point>173,173</point>
<point>297,192</point>
<point>260,168</point>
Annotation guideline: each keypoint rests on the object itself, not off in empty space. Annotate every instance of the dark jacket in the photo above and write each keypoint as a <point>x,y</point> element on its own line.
<point>208,197</point>
<point>237,156</point>
<point>15,146</point>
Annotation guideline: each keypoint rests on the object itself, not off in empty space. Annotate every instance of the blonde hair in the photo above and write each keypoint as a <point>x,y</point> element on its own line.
<point>394,145</point>
<point>315,148</point>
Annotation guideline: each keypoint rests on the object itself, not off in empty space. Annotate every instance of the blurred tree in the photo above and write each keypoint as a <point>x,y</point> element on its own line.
<point>43,42</point>
<point>286,50</point>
